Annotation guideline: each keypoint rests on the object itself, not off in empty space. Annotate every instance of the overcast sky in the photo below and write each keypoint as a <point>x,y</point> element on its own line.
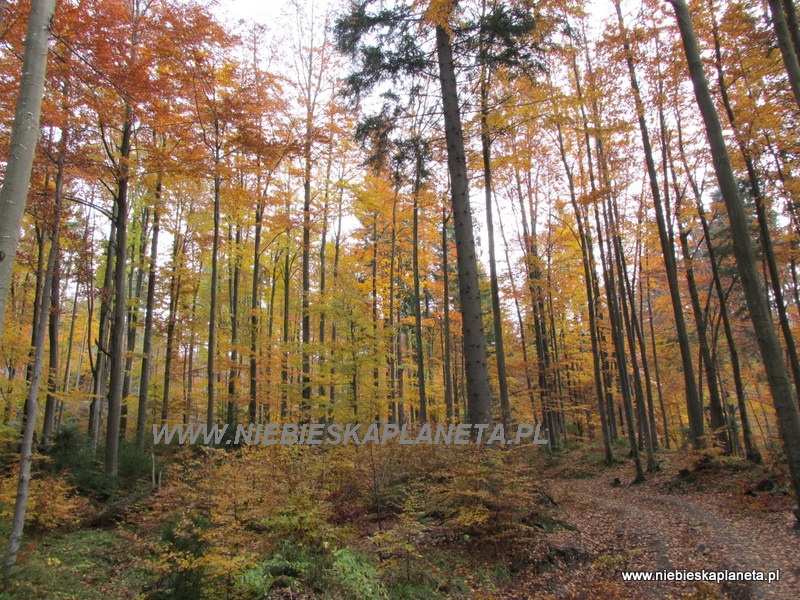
<point>268,12</point>
<point>256,10</point>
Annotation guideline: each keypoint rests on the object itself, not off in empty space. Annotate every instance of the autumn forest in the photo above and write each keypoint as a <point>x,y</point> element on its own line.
<point>583,215</point>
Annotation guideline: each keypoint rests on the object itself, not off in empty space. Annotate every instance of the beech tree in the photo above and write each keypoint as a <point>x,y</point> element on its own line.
<point>771,352</point>
<point>25,135</point>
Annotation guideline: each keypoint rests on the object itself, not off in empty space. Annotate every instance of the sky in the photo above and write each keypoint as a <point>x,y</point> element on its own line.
<point>260,11</point>
<point>268,12</point>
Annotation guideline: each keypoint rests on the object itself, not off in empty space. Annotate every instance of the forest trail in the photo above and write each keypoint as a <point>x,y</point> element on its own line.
<point>654,526</point>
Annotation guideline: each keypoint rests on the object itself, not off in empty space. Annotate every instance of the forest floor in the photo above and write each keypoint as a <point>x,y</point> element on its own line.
<point>716,516</point>
<point>414,523</point>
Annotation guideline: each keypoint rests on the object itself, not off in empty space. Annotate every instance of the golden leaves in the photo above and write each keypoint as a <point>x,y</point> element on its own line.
<point>440,12</point>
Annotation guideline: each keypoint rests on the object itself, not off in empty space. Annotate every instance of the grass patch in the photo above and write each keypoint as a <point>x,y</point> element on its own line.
<point>90,564</point>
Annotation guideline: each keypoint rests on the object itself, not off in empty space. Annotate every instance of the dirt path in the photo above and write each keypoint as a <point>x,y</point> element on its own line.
<point>644,527</point>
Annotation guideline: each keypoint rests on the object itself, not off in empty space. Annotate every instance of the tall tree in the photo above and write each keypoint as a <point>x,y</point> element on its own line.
<point>474,340</point>
<point>771,352</point>
<point>399,53</point>
<point>693,404</point>
<point>24,136</point>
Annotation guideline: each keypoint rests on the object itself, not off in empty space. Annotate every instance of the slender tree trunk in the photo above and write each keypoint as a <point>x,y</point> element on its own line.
<point>26,450</point>
<point>323,255</point>
<point>628,303</point>
<point>520,320</point>
<point>285,338</point>
<point>54,313</point>
<point>656,368</point>
<point>270,330</point>
<point>607,396</point>
<point>497,317</point>
<point>392,354</point>
<point>117,346</point>
<point>751,450</point>
<point>586,248</point>
<point>135,295</point>
<point>65,383</point>
<point>718,423</point>
<point>305,346</point>
<point>639,330</point>
<point>212,308</point>
<point>53,316</point>
<point>618,335</point>
<point>147,342</point>
<point>233,288</point>
<point>418,349</point>
<point>41,268</point>
<point>337,247</point>
<point>100,368</point>
<point>447,368</point>
<point>252,406</point>
<point>189,409</point>
<point>788,52</point>
<point>175,285</point>
<point>375,326</point>
<point>693,404</point>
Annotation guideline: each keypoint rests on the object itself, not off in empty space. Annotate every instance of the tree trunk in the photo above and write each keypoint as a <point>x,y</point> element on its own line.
<point>233,289</point>
<point>693,404</point>
<point>520,320</point>
<point>24,135</point>
<point>497,317</point>
<point>788,53</point>
<point>285,338</point>
<point>53,316</point>
<point>147,342</point>
<point>212,308</point>
<point>604,386</point>
<point>628,310</point>
<point>474,340</point>
<point>659,389</point>
<point>172,317</point>
<point>117,346</point>
<point>392,354</point>
<point>135,295</point>
<point>447,367</point>
<point>762,217</point>
<point>418,350</point>
<point>718,423</point>
<point>252,406</point>
<point>771,352</point>
<point>751,450</point>
<point>54,313</point>
<point>618,336</point>
<point>588,272</point>
<point>26,450</point>
<point>305,345</point>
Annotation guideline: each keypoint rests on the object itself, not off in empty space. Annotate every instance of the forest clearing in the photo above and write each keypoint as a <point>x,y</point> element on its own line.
<point>399,299</point>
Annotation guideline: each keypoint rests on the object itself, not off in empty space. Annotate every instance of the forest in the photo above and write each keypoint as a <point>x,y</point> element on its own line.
<point>578,216</point>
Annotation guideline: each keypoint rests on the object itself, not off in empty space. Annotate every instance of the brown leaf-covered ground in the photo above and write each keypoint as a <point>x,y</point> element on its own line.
<point>715,515</point>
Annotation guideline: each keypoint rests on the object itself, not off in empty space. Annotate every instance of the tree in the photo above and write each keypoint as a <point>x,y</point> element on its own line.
<point>788,50</point>
<point>501,44</point>
<point>693,404</point>
<point>405,56</point>
<point>25,134</point>
<point>771,352</point>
